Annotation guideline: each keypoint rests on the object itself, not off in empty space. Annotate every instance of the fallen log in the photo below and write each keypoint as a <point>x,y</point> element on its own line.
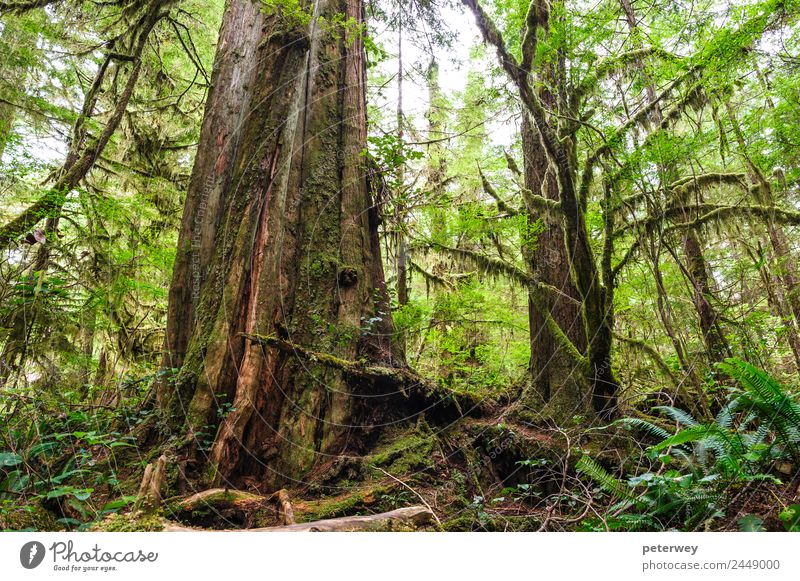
<point>216,496</point>
<point>401,519</point>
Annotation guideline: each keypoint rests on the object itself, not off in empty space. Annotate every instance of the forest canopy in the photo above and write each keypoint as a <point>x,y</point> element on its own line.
<point>510,264</point>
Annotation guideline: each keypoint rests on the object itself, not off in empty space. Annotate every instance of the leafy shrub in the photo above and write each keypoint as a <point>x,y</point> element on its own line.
<point>758,426</point>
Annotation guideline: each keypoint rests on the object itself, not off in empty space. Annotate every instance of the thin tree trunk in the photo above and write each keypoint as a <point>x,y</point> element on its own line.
<point>7,110</point>
<point>401,243</point>
<point>7,116</point>
<point>715,342</point>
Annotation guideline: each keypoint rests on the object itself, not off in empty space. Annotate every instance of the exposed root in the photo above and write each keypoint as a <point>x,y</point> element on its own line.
<point>155,476</point>
<point>285,509</point>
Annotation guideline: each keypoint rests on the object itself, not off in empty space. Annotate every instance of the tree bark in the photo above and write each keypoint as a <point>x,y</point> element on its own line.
<point>295,255</point>
<point>553,376</point>
<point>227,105</point>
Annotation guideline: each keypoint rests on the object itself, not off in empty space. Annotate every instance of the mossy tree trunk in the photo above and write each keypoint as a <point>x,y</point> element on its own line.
<point>294,254</point>
<point>556,131</point>
<point>554,378</point>
<point>6,122</point>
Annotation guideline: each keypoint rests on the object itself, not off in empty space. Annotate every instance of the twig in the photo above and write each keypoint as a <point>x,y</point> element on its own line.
<point>417,494</point>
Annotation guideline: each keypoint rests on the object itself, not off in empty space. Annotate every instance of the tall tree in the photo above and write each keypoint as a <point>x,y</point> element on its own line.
<point>293,263</point>
<point>556,135</point>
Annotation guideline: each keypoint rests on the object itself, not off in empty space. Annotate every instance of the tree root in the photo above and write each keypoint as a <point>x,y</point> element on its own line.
<point>284,506</point>
<point>403,377</point>
<point>237,505</point>
<point>406,380</point>
<point>155,476</point>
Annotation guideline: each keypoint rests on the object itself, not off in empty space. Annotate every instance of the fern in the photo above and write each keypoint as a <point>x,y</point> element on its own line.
<point>767,401</point>
<point>648,428</point>
<point>678,415</point>
<point>688,435</point>
<point>759,423</point>
<point>606,481</point>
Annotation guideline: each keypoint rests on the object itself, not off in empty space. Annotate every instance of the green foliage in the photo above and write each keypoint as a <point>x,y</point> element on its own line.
<point>790,516</point>
<point>752,431</point>
<point>69,461</point>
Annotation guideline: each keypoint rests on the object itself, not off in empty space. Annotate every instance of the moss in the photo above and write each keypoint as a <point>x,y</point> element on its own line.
<point>407,453</point>
<point>323,265</point>
<point>31,517</point>
<point>349,504</point>
<point>130,523</point>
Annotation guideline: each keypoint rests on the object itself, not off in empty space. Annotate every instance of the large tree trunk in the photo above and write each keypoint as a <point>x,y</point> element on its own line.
<point>227,105</point>
<point>554,378</point>
<point>295,254</point>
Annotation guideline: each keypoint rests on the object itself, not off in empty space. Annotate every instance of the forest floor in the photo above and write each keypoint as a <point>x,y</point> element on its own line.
<point>476,474</point>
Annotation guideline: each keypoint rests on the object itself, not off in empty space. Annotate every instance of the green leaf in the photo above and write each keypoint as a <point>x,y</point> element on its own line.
<point>791,518</point>
<point>9,459</point>
<point>59,492</point>
<point>83,494</point>
<point>750,523</point>
<point>118,504</point>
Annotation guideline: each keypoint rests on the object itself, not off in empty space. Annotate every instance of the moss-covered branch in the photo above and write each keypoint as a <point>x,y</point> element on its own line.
<point>652,354</point>
<point>712,212</point>
<point>20,7</point>
<point>617,63</point>
<point>502,206</point>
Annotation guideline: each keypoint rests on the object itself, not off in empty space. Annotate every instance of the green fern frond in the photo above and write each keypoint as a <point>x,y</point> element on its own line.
<point>686,436</point>
<point>606,481</point>
<point>679,415</point>
<point>648,428</point>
